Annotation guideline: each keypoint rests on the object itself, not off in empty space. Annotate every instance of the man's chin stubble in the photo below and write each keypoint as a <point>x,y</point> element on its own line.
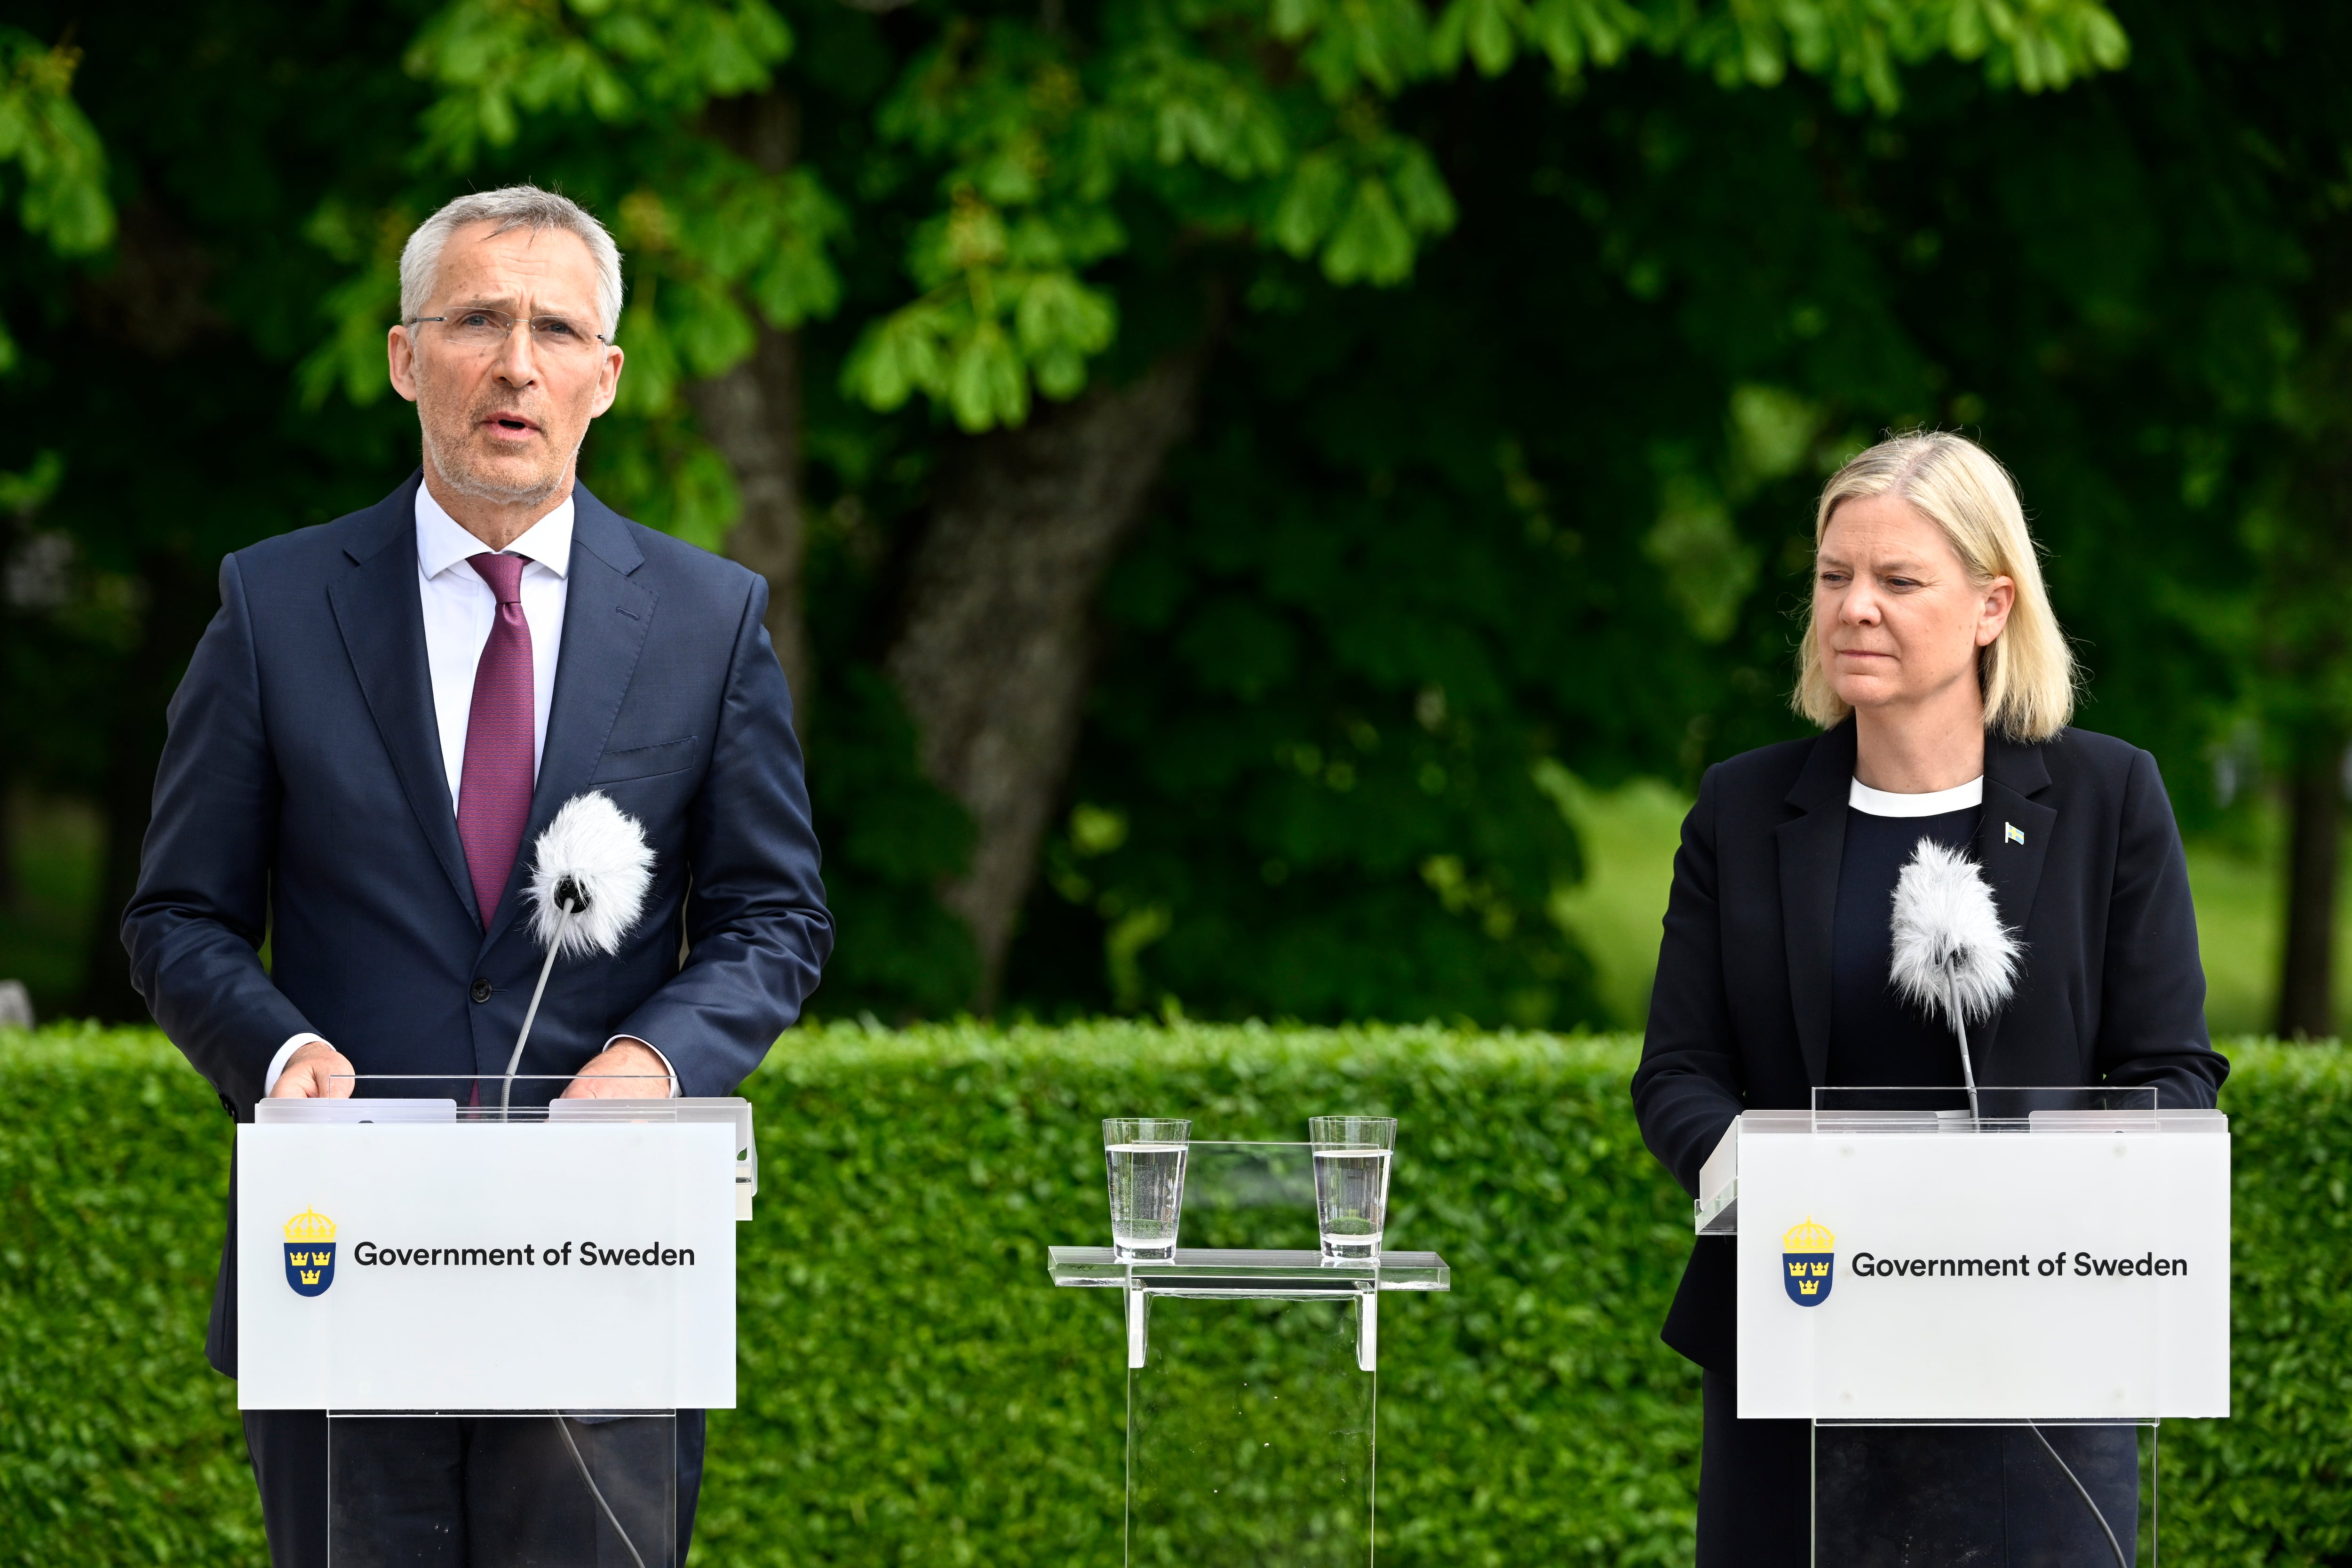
<point>475,485</point>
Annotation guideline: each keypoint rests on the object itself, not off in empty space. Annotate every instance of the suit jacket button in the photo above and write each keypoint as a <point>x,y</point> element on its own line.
<point>481,990</point>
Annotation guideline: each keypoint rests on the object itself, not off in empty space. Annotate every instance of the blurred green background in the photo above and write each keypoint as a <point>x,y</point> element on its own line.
<point>1268,508</point>
<point>1613,913</point>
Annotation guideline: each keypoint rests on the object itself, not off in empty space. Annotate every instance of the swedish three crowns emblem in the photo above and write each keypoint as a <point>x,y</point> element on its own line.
<point>1809,1262</point>
<point>310,1253</point>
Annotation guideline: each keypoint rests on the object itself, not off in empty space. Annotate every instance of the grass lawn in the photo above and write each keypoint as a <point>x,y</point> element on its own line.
<point>1629,835</point>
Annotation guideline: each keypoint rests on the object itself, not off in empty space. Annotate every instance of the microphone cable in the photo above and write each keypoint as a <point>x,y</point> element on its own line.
<point>2113,1544</point>
<point>594,1490</point>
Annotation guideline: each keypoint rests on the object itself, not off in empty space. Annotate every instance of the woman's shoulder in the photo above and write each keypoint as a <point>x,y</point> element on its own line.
<point>2085,756</point>
<point>2088,779</point>
<point>1768,772</point>
<point>2074,760</point>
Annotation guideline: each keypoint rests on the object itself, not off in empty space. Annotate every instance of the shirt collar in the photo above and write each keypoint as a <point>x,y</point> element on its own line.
<point>1887,803</point>
<point>442,540</point>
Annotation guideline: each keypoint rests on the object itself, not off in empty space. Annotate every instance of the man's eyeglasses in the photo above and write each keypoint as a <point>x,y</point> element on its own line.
<point>481,330</point>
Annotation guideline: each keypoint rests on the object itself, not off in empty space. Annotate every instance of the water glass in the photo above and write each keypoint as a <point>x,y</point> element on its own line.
<point>1352,1182</point>
<point>1145,1158</point>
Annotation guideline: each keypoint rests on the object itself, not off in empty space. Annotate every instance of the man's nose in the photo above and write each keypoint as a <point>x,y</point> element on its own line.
<point>517,363</point>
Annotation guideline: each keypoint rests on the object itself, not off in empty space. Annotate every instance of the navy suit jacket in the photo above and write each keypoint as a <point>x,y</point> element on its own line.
<point>2093,881</point>
<point>302,798</point>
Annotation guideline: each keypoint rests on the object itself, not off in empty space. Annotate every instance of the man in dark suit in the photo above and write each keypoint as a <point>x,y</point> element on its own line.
<point>388,709</point>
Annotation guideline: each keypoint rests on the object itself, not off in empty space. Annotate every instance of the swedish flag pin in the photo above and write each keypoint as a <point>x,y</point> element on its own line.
<point>2011,834</point>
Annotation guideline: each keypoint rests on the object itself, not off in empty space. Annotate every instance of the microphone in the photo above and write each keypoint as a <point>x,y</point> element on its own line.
<point>1952,956</point>
<point>590,870</point>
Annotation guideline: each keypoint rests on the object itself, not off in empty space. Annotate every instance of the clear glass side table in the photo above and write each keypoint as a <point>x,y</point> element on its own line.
<point>1251,1381</point>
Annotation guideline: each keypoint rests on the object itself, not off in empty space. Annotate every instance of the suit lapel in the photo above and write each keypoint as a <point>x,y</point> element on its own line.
<point>1812,850</point>
<point>382,619</point>
<point>606,615</point>
<point>2012,841</point>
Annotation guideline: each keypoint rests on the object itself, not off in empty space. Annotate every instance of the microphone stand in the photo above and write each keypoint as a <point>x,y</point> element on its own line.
<point>568,903</point>
<point>1975,1120</point>
<point>1968,1074</point>
<point>1950,1001</point>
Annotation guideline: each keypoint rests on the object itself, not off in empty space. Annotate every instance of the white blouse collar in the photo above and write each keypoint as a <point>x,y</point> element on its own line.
<point>1882,803</point>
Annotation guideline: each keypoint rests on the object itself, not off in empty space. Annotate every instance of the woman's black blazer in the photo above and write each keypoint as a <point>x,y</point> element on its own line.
<point>2110,990</point>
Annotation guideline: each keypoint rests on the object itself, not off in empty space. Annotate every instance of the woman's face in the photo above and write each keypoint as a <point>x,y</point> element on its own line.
<point>1898,622</point>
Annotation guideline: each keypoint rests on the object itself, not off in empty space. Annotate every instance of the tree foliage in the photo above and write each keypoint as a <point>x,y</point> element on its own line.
<point>1530,327</point>
<point>59,162</point>
<point>1036,147</point>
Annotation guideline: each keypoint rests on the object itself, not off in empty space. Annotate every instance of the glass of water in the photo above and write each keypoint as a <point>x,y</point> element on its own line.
<point>1352,1182</point>
<point>1145,1158</point>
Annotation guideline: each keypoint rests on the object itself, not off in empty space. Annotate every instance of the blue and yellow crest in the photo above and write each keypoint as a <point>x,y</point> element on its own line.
<point>310,1253</point>
<point>1809,1257</point>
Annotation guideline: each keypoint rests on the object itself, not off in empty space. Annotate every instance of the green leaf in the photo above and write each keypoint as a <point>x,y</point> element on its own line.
<point>1709,571</point>
<point>619,61</point>
<point>1059,314</point>
<point>1572,32</point>
<point>1311,203</point>
<point>656,365</point>
<point>1422,199</point>
<point>986,383</point>
<point>902,354</point>
<point>22,494</point>
<point>54,146</point>
<point>1487,30</point>
<point>1372,243</point>
<point>361,310</point>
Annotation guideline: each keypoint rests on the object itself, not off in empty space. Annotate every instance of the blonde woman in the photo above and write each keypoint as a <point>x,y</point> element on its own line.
<point>1943,688</point>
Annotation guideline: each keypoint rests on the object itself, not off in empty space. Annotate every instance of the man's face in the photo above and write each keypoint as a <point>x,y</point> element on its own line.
<point>504,415</point>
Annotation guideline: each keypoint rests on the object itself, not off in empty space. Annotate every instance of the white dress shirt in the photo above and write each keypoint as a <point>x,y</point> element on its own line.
<point>459,610</point>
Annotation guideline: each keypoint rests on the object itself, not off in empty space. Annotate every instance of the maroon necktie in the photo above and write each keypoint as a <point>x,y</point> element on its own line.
<point>494,791</point>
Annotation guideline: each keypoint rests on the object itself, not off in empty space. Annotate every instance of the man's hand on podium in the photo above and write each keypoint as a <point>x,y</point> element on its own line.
<point>315,1071</point>
<point>620,1071</point>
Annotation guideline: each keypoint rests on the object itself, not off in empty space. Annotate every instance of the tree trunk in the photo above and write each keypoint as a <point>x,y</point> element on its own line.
<point>995,646</point>
<point>2306,1007</point>
<point>753,415</point>
<point>178,608</point>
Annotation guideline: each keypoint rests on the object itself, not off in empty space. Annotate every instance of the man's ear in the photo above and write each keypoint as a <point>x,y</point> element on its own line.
<point>609,380</point>
<point>400,353</point>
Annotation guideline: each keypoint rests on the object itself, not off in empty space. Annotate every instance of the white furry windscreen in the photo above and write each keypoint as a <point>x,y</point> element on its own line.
<point>602,851</point>
<point>1952,954</point>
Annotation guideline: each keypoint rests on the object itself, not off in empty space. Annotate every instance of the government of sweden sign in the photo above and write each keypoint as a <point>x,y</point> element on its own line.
<point>1809,1256</point>
<point>310,1253</point>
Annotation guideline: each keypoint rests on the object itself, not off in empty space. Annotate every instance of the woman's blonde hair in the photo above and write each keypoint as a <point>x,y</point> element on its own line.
<point>2027,673</point>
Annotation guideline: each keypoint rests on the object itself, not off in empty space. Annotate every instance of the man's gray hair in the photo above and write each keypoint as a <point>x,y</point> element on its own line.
<point>506,208</point>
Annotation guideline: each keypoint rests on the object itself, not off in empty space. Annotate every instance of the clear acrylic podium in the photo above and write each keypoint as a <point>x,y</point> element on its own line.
<point>1253,1384</point>
<point>444,1480</point>
<point>502,1489</point>
<point>1984,1314</point>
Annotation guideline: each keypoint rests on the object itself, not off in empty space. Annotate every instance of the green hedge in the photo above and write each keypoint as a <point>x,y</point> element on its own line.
<point>915,1391</point>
